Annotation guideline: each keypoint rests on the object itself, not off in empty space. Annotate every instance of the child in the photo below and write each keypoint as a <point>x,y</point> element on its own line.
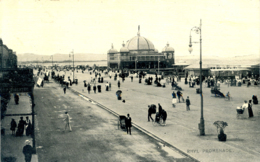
<point>64,89</point>
<point>174,101</point>
<point>188,104</point>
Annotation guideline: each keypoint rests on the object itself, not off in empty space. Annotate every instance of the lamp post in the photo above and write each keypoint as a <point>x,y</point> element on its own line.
<point>73,67</point>
<point>135,64</point>
<point>72,52</point>
<point>198,31</point>
<point>158,66</point>
<point>69,59</point>
<point>52,60</point>
<point>118,61</point>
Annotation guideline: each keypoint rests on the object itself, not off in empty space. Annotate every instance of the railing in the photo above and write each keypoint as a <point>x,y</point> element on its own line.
<point>127,58</point>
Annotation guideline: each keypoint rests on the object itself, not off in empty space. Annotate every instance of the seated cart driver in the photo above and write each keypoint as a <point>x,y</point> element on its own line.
<point>157,117</point>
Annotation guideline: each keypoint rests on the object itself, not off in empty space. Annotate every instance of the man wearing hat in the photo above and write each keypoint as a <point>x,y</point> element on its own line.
<point>27,151</point>
<point>67,120</point>
<point>159,109</point>
<point>128,124</point>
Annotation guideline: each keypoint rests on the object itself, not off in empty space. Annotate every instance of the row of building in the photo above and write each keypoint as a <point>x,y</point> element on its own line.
<point>8,58</point>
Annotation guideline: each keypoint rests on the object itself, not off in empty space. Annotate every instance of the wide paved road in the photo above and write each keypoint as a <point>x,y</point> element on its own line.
<point>95,135</point>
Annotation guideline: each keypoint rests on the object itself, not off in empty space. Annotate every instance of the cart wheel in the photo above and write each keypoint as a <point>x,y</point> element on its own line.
<point>154,123</point>
<point>161,121</point>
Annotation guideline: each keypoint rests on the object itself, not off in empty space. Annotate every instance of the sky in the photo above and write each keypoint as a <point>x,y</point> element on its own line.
<point>45,27</point>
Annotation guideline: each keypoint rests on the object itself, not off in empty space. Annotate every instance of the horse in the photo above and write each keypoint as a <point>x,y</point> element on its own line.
<point>151,110</point>
<point>164,115</point>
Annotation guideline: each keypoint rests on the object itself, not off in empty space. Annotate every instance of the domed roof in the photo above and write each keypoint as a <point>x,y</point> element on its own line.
<point>139,43</point>
<point>163,50</point>
<point>168,48</point>
<point>124,49</point>
<point>112,50</point>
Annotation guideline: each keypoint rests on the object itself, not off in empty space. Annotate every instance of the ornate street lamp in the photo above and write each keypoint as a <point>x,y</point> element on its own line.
<point>52,59</point>
<point>158,65</point>
<point>198,31</point>
<point>72,52</point>
<point>135,64</point>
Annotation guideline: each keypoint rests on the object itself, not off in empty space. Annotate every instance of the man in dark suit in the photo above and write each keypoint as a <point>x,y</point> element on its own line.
<point>128,124</point>
<point>27,151</point>
<point>159,109</point>
<point>64,90</point>
<point>16,99</point>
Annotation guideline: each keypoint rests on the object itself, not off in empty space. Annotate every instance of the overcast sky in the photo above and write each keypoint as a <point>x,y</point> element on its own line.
<point>229,27</point>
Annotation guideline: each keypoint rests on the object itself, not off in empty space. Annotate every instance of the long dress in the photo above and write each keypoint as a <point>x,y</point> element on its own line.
<point>16,99</point>
<point>20,128</point>
<point>250,111</point>
<point>28,128</point>
<point>13,125</point>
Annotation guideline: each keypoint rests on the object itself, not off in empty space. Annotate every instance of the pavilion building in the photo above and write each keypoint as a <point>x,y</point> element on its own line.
<point>140,53</point>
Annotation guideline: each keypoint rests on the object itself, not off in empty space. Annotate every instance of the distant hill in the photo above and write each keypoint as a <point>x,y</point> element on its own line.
<point>190,59</point>
<point>60,57</point>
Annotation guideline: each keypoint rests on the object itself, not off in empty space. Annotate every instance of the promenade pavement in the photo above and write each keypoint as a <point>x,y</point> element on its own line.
<point>12,146</point>
<point>95,135</point>
<point>243,139</point>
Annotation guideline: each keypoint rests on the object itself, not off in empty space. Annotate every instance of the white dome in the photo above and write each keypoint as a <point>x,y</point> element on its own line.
<point>124,49</point>
<point>139,43</point>
<point>168,48</point>
<point>112,50</point>
<point>163,50</point>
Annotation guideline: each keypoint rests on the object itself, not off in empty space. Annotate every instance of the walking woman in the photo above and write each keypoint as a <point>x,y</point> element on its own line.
<point>89,88</point>
<point>20,128</point>
<point>188,104</point>
<point>250,110</point>
<point>28,126</point>
<point>118,83</point>
<point>16,99</point>
<point>94,88</point>
<point>13,126</point>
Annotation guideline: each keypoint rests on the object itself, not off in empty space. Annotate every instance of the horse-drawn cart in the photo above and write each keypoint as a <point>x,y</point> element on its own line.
<point>216,92</point>
<point>121,122</point>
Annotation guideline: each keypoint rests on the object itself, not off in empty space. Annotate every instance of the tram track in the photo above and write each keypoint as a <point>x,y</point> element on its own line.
<point>163,142</point>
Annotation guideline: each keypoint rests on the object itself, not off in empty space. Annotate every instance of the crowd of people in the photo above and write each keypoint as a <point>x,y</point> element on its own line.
<point>23,126</point>
<point>176,97</point>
